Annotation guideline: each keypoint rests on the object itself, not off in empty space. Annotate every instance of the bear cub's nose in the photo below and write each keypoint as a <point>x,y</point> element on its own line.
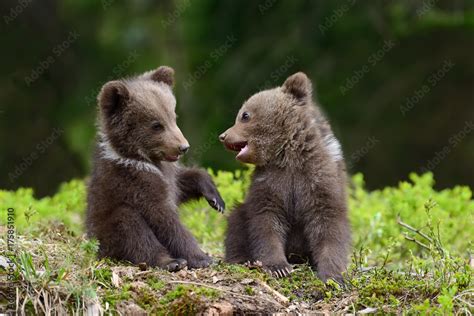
<point>222,137</point>
<point>183,148</point>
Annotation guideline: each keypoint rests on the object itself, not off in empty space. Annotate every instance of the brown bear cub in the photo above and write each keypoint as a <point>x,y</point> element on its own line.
<point>296,207</point>
<point>136,184</point>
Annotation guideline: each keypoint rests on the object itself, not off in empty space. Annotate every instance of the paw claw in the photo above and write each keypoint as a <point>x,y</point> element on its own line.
<point>216,203</point>
<point>279,271</point>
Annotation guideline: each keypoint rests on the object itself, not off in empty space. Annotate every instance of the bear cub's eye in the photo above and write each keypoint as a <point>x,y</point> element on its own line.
<point>157,126</point>
<point>245,117</point>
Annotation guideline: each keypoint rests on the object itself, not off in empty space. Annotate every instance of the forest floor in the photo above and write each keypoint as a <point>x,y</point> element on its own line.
<point>57,272</point>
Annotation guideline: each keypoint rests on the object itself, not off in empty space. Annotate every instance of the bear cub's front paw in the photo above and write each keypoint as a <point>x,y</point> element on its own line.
<point>209,191</point>
<point>174,265</point>
<point>199,262</point>
<point>278,270</point>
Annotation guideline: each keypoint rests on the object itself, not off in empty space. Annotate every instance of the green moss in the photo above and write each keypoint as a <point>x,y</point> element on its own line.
<point>182,300</point>
<point>249,290</point>
<point>155,283</point>
<point>147,298</point>
<point>301,285</point>
<point>207,292</point>
<point>178,292</point>
<point>233,268</point>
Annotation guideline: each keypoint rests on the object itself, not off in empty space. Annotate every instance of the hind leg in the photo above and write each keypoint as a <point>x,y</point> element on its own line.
<point>329,241</point>
<point>127,236</point>
<point>331,251</point>
<point>236,241</point>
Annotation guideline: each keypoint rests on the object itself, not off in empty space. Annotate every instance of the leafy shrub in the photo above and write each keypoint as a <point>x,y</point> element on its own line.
<point>66,207</point>
<point>373,214</point>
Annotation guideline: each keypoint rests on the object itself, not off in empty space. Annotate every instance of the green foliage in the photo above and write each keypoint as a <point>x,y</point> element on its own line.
<point>374,216</point>
<point>66,207</point>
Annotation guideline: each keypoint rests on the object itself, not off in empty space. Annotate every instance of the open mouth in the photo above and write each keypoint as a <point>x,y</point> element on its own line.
<point>236,146</point>
<point>171,158</point>
<point>241,147</point>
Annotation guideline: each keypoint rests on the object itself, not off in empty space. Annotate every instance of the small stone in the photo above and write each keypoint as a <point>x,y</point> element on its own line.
<point>292,308</point>
<point>220,308</point>
<point>247,281</point>
<point>368,310</point>
<point>116,281</point>
<point>130,308</point>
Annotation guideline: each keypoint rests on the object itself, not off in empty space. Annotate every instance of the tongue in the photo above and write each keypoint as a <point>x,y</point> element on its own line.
<point>172,158</point>
<point>243,151</point>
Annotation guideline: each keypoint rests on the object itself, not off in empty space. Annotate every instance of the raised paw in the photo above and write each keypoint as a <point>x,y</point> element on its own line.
<point>209,191</point>
<point>175,265</point>
<point>279,270</point>
<point>199,262</point>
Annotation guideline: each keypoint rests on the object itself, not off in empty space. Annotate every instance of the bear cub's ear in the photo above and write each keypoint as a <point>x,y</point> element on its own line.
<point>298,85</point>
<point>164,74</point>
<point>113,96</point>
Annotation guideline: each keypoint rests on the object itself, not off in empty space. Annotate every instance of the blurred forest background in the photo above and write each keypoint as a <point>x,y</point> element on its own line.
<point>396,78</point>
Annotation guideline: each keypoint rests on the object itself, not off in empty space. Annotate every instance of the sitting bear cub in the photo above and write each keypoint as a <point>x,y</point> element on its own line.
<point>136,184</point>
<point>296,207</point>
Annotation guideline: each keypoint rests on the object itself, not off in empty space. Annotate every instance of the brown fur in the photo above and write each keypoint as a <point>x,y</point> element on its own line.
<point>296,207</point>
<point>136,185</point>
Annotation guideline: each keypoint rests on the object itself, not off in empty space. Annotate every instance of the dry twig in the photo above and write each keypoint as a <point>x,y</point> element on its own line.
<point>410,228</point>
<point>280,297</point>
